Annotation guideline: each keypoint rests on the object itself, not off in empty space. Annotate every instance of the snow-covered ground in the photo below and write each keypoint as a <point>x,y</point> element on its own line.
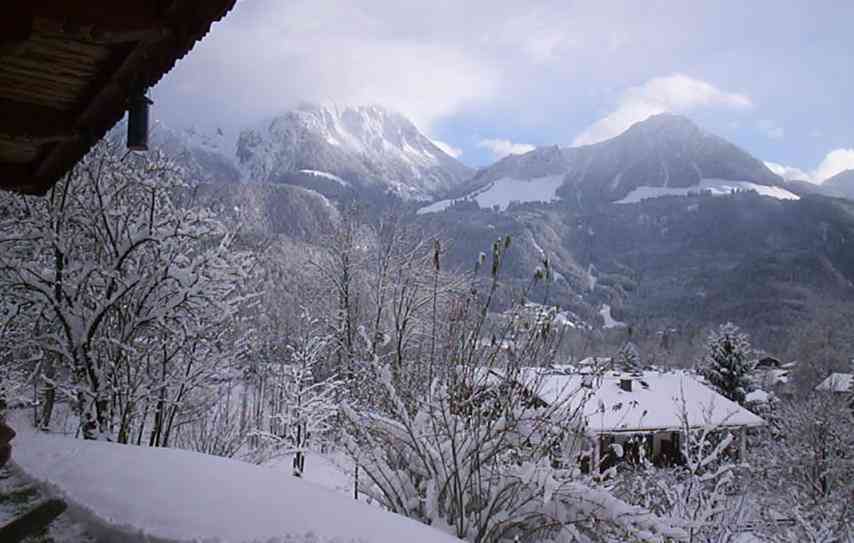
<point>333,471</point>
<point>610,322</point>
<point>506,190</point>
<point>716,187</point>
<point>139,494</point>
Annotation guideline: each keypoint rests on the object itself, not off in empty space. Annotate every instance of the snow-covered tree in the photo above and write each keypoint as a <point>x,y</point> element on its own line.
<point>628,357</point>
<point>480,455</point>
<point>727,363</point>
<point>304,406</point>
<point>700,492</point>
<point>129,291</point>
<point>807,471</point>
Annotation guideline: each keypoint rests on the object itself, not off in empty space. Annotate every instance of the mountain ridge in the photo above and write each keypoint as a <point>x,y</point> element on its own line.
<point>665,150</point>
<point>367,146</point>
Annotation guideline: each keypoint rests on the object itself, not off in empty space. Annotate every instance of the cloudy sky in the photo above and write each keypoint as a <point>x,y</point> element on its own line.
<point>491,77</point>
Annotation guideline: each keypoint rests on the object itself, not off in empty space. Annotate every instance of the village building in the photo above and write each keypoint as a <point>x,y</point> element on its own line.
<point>640,414</point>
<point>839,383</point>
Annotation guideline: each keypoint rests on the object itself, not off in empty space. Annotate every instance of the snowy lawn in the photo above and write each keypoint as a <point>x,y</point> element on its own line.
<point>333,471</point>
<point>176,495</point>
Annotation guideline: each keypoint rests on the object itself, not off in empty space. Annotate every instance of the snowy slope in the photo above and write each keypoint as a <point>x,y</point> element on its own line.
<point>841,184</point>
<point>610,321</point>
<point>205,157</point>
<point>366,145</point>
<point>716,187</point>
<point>502,192</point>
<point>174,495</point>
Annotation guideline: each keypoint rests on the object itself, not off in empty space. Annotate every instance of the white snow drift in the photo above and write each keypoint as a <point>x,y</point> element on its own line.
<point>176,495</point>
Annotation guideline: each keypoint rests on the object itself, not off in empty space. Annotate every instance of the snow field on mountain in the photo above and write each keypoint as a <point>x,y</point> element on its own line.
<point>717,187</point>
<point>506,190</point>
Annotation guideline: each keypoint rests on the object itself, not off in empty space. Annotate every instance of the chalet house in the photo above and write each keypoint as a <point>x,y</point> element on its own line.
<point>644,413</point>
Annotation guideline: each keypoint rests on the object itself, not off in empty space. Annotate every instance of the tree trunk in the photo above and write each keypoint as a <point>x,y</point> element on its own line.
<point>48,395</point>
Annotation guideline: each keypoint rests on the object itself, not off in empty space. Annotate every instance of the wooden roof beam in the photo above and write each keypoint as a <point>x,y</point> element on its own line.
<point>33,122</point>
<point>104,15</point>
<point>16,26</point>
<point>18,177</point>
<point>99,35</point>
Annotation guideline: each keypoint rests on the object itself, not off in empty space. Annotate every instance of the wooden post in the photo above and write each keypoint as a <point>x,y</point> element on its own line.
<point>742,444</point>
<point>356,483</point>
<point>594,460</point>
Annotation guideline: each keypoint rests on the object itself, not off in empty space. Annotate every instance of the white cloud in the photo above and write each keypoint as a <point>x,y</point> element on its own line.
<point>447,148</point>
<point>771,129</point>
<point>788,173</point>
<point>501,148</point>
<point>834,162</point>
<point>675,93</point>
<point>269,56</point>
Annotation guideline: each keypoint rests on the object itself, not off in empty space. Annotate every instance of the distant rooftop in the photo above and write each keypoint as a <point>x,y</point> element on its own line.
<point>654,403</point>
<point>837,382</point>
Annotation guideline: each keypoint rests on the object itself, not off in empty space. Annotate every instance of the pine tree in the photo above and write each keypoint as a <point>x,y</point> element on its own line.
<point>727,364</point>
<point>628,357</point>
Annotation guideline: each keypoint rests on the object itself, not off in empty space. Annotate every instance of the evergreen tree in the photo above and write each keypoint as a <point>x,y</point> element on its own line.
<point>727,364</point>
<point>628,357</point>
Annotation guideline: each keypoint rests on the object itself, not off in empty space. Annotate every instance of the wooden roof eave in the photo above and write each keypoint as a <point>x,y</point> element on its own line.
<point>656,430</point>
<point>164,38</point>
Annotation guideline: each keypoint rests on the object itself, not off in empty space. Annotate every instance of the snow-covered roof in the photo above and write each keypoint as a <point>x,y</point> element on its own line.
<point>757,396</point>
<point>654,403</point>
<point>177,495</point>
<point>595,361</point>
<point>838,382</point>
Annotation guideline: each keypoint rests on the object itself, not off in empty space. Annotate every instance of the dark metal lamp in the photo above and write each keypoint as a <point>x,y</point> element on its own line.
<point>138,107</point>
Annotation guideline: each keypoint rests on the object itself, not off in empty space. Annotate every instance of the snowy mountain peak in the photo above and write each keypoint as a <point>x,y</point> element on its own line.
<point>203,154</point>
<point>663,151</point>
<point>365,145</point>
<point>665,125</point>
